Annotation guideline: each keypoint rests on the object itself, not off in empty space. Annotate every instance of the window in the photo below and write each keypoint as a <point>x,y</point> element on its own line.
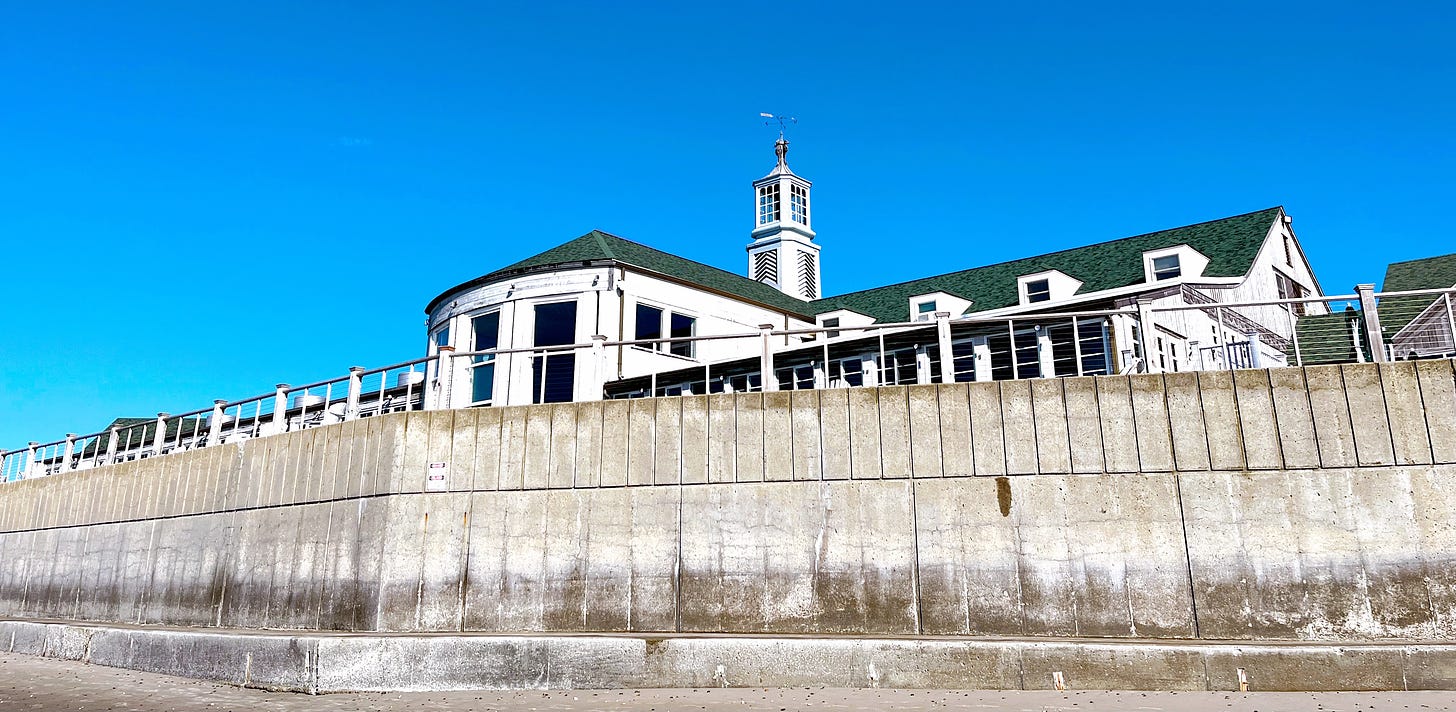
<point>1290,289</point>
<point>1166,267</point>
<point>442,337</point>
<point>799,204</point>
<point>768,204</point>
<point>1289,250</point>
<point>649,323</point>
<point>553,373</point>
<point>682,326</point>
<point>486,336</point>
<point>925,311</point>
<point>1038,291</point>
<point>846,372</point>
<point>831,323</point>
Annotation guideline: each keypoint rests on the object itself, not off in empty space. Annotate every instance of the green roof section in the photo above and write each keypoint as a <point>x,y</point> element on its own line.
<point>1231,245</point>
<point>598,246</point>
<point>1427,273</point>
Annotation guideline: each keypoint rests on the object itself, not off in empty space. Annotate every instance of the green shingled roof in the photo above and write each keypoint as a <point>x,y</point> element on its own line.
<point>1231,245</point>
<point>598,246</point>
<point>1428,273</point>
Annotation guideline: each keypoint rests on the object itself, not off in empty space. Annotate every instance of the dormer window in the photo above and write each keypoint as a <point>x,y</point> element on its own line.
<point>925,311</point>
<point>768,204</point>
<point>1166,267</point>
<point>799,204</point>
<point>1038,290</point>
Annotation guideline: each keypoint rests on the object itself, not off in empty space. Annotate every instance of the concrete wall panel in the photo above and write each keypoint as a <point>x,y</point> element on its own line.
<point>1119,428</point>
<point>722,438</point>
<point>1053,444</point>
<point>667,441</point>
<point>957,453</point>
<point>1407,413</point>
<point>1373,444</point>
<point>924,431</point>
<point>988,444</point>
<point>1150,413</point>
<point>894,432</point>
<point>1256,419</point>
<point>1185,408</point>
<point>562,470</point>
<point>811,557</point>
<point>1292,410</point>
<point>1333,432</point>
<point>1438,395</point>
<point>864,434</point>
<point>778,441</point>
<point>1019,422</point>
<point>805,435</point>
<point>695,439</point>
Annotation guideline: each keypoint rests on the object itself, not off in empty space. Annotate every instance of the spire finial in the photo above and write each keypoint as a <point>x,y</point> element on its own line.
<point>781,146</point>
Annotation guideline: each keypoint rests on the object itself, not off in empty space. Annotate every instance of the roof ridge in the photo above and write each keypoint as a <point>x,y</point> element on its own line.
<point>1050,254</point>
<point>598,235</point>
<point>1420,259</point>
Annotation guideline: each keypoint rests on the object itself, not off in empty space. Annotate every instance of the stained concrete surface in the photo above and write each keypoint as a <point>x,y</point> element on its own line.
<point>29,683</point>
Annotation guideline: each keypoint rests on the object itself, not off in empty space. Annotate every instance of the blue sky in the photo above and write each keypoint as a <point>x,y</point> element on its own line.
<point>199,200</point>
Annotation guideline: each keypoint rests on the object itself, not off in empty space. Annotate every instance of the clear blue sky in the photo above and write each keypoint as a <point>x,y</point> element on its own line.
<point>199,200</point>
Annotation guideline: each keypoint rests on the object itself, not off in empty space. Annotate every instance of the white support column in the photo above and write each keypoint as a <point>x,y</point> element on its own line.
<point>111,443</point>
<point>356,383</point>
<point>1371,317</point>
<point>438,397</point>
<point>160,437</point>
<point>280,408</point>
<point>765,359</point>
<point>981,347</point>
<point>29,470</point>
<point>70,450</point>
<point>1256,359</point>
<point>214,433</point>
<point>596,389</point>
<point>1046,361</point>
<point>1149,332</point>
<point>942,337</point>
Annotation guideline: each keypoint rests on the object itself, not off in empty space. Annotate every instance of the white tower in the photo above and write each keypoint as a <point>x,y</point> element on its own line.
<point>783,253</point>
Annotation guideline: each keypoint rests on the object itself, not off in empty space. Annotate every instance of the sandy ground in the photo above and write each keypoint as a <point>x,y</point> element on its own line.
<point>31,683</point>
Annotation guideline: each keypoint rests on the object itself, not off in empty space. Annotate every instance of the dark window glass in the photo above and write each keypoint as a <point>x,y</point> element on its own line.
<point>649,322</point>
<point>682,326</point>
<point>1166,267</point>
<point>555,324</point>
<point>829,323</point>
<point>1038,291</point>
<point>487,332</point>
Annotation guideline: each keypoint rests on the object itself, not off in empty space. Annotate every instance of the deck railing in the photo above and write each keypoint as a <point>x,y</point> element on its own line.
<point>1134,337</point>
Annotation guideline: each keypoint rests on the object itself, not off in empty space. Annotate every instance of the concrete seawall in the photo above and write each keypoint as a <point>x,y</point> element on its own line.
<point>1289,504</point>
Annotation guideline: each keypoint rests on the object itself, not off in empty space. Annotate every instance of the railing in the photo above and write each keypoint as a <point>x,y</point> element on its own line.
<point>1149,337</point>
<point>362,393</point>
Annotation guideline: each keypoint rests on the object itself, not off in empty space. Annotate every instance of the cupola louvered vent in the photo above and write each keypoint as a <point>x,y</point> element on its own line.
<point>766,267</point>
<point>808,280</point>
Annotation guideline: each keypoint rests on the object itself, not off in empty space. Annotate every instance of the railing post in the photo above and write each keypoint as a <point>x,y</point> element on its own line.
<point>280,408</point>
<point>599,367</point>
<point>942,338</point>
<point>1371,318</point>
<point>1450,320</point>
<point>1150,332</point>
<point>1294,338</point>
<point>1223,341</point>
<point>356,385</point>
<point>765,359</point>
<point>214,432</point>
<point>70,450</point>
<point>1255,359</point>
<point>111,443</point>
<point>443,380</point>
<point>28,472</point>
<point>160,437</point>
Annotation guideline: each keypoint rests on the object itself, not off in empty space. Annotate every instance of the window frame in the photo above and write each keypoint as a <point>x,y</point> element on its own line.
<point>1044,294</point>
<point>1159,274</point>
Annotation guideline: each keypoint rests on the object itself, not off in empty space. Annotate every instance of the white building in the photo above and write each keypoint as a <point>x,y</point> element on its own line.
<point>1007,320</point>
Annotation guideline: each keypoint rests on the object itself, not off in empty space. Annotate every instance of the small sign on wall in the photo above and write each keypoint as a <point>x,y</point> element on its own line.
<point>437,477</point>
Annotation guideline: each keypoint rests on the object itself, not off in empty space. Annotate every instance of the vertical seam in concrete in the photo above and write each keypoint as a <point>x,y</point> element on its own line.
<point>1035,431</point>
<point>1187,552</point>
<point>1005,451</point>
<point>915,542</point>
<point>1425,421</point>
<point>1067,418</point>
<point>1389,423</point>
<point>1132,412</point>
<point>1319,452</point>
<point>1101,437</point>
<point>464,563</point>
<point>1239,420</point>
<point>1203,416</point>
<point>328,580</point>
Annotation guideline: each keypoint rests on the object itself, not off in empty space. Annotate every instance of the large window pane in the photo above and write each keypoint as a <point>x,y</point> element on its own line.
<point>683,326</point>
<point>555,324</point>
<point>649,322</point>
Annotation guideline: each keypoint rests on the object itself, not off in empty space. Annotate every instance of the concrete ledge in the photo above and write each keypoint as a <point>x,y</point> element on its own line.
<point>322,663</point>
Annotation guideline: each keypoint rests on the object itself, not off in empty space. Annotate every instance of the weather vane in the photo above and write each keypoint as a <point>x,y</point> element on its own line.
<point>782,121</point>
